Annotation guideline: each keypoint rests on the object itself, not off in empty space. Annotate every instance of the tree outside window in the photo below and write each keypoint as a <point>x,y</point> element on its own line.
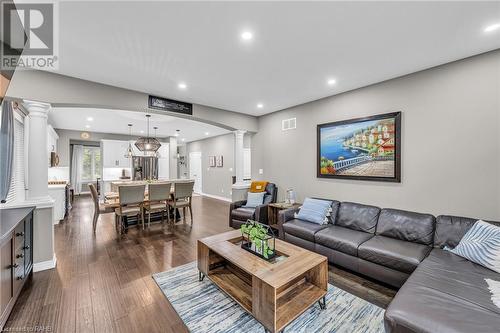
<point>91,163</point>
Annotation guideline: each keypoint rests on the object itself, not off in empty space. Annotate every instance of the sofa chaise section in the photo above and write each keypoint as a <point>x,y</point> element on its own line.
<point>446,293</point>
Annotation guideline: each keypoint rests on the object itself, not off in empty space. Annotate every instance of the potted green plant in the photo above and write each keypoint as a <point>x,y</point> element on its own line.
<point>259,239</point>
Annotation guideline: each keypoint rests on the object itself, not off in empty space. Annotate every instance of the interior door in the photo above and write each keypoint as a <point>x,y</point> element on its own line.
<point>195,170</point>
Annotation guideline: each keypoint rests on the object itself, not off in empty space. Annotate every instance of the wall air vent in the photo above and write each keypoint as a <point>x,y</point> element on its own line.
<point>288,124</point>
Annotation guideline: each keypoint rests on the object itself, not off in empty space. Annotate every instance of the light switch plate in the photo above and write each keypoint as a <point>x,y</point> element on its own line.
<point>261,171</point>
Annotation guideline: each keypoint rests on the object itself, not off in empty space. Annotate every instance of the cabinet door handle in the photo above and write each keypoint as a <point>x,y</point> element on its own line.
<point>27,247</point>
<point>20,277</point>
<point>20,234</point>
<point>16,265</point>
<point>20,255</point>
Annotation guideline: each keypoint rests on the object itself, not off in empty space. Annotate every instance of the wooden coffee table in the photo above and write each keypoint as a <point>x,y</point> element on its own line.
<point>275,292</point>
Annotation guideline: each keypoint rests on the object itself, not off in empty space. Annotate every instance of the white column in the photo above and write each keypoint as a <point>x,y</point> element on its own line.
<point>37,185</point>
<point>239,155</point>
<point>37,149</point>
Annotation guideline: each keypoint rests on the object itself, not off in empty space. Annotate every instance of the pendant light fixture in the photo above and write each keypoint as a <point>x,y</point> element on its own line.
<point>130,151</point>
<point>157,153</point>
<point>147,144</point>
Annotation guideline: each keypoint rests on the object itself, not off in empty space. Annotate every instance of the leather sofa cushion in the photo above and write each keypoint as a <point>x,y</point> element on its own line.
<point>393,253</point>
<point>358,217</point>
<point>342,239</point>
<point>303,229</point>
<point>243,214</point>
<point>451,229</point>
<point>407,226</point>
<point>446,293</point>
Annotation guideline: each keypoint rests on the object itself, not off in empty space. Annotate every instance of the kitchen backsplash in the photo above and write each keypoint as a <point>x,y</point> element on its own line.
<point>58,173</point>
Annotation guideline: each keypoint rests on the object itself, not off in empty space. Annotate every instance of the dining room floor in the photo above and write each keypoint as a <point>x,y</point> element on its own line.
<point>102,282</point>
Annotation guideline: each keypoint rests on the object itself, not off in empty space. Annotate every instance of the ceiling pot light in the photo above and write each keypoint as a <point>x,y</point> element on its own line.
<point>90,119</point>
<point>183,139</point>
<point>492,27</point>
<point>246,35</point>
<point>182,85</point>
<point>87,126</point>
<point>260,105</point>
<point>130,151</point>
<point>176,132</point>
<point>207,133</point>
<point>147,144</point>
<point>331,82</point>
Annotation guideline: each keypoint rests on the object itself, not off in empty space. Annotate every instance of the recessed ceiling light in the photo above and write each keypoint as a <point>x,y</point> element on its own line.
<point>260,105</point>
<point>246,35</point>
<point>87,126</point>
<point>90,119</point>
<point>183,139</point>
<point>492,27</point>
<point>182,85</point>
<point>331,82</point>
<point>207,133</point>
<point>142,131</point>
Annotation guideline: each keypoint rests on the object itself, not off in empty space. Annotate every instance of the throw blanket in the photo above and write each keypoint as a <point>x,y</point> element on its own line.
<point>258,186</point>
<point>494,287</point>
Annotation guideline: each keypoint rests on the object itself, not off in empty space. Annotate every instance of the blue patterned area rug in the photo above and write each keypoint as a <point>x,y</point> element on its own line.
<point>204,308</point>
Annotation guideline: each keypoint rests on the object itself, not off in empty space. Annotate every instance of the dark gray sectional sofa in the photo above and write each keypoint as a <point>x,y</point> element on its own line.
<point>439,291</point>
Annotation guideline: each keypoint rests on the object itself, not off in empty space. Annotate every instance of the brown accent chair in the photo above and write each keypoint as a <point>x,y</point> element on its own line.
<point>182,198</point>
<point>238,214</point>
<point>159,194</point>
<point>98,208</point>
<point>131,203</point>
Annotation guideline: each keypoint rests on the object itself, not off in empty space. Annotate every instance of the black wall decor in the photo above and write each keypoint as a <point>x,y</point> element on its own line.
<point>165,104</point>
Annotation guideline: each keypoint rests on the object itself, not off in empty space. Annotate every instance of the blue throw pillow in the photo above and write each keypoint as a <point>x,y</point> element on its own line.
<point>254,199</point>
<point>315,211</point>
<point>481,244</point>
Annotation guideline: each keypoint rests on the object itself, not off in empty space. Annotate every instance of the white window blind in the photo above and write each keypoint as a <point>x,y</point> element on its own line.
<point>17,188</point>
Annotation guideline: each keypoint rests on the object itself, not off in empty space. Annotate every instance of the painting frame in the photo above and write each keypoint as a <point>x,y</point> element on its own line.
<point>219,161</point>
<point>396,178</point>
<point>211,161</point>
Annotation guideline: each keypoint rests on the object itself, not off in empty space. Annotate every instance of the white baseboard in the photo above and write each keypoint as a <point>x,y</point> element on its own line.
<point>216,197</point>
<point>44,265</point>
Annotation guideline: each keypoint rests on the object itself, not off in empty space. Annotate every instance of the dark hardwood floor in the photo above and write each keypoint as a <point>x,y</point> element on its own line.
<point>102,283</point>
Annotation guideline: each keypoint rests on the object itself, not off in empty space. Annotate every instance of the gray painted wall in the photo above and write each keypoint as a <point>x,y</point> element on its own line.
<point>215,181</point>
<point>450,141</point>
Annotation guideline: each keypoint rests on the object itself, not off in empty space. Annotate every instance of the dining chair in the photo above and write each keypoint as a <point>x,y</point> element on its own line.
<point>159,194</point>
<point>182,198</point>
<point>98,208</point>
<point>131,201</point>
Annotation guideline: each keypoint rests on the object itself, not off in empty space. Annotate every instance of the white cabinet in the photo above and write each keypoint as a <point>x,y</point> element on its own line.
<point>113,154</point>
<point>58,193</point>
<point>163,162</point>
<point>52,138</point>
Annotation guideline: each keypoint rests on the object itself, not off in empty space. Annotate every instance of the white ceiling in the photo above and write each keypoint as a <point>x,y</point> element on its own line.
<point>116,122</point>
<point>297,46</point>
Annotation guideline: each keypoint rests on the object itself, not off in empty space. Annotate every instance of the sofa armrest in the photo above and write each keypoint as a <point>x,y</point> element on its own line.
<point>284,216</point>
<point>232,206</point>
<point>261,214</point>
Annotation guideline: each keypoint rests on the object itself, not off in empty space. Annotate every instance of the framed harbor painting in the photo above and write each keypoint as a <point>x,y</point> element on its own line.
<point>363,149</point>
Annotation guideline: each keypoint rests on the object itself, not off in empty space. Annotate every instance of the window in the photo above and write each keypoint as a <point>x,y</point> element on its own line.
<point>91,163</point>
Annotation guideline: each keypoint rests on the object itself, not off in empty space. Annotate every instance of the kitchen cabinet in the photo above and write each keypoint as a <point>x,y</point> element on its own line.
<point>163,162</point>
<point>58,193</point>
<point>113,154</point>
<point>52,139</point>
<point>16,256</point>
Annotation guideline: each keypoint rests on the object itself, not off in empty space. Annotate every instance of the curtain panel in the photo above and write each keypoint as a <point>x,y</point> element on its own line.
<point>6,148</point>
<point>77,168</point>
